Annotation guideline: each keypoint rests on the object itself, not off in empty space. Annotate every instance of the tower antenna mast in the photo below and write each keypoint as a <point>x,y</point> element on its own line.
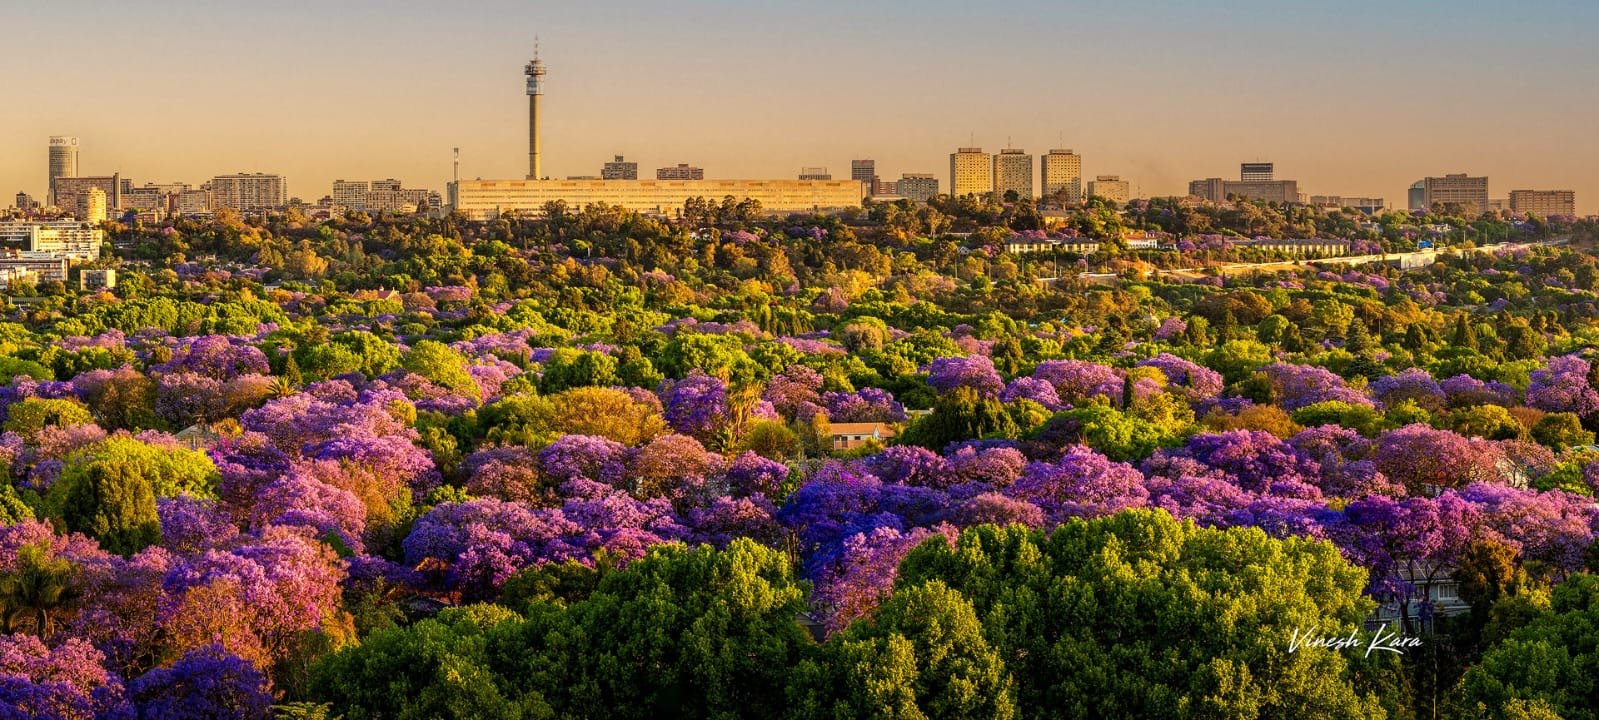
<point>535,90</point>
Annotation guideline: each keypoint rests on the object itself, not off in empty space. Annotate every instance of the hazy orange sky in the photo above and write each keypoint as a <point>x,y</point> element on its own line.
<point>1355,98</point>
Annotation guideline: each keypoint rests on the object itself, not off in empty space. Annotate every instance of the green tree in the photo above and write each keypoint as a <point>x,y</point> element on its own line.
<point>924,655</point>
<point>1550,660</point>
<point>1139,615</point>
<point>108,490</point>
<point>39,586</point>
<point>443,365</point>
<point>34,414</point>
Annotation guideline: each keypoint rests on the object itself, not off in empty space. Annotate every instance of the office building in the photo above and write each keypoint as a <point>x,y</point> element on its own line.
<point>1062,176</point>
<point>920,187</point>
<point>971,172</point>
<point>1282,192</point>
<point>815,173</point>
<point>400,200</point>
<point>67,190</point>
<point>35,268</point>
<point>884,188</point>
<point>63,163</point>
<point>248,191</point>
<point>865,171</point>
<point>1417,196</point>
<point>1256,172</point>
<point>351,194</point>
<point>68,239</point>
<point>25,202</point>
<point>619,169</point>
<point>385,184</point>
<point>1013,173</point>
<point>1457,189</point>
<point>1544,203</point>
<point>486,199</point>
<point>682,171</point>
<point>1110,187</point>
<point>91,206</point>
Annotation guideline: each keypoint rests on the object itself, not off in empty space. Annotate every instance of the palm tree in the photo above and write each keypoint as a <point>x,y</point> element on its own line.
<point>37,588</point>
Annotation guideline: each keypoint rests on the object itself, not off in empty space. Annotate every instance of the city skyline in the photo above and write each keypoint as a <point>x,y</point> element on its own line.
<point>670,94</point>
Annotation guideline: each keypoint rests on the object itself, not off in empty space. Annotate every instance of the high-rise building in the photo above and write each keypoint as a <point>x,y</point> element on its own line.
<point>1255,172</point>
<point>815,173</point>
<point>25,201</point>
<point>1062,176</point>
<point>67,190</point>
<point>1457,189</point>
<point>864,171</point>
<point>1544,203</point>
<point>920,187</point>
<point>248,191</point>
<point>971,172</point>
<point>1110,187</point>
<point>1417,195</point>
<point>351,194</point>
<point>194,201</point>
<point>619,169</point>
<point>91,206</point>
<point>1282,192</point>
<point>63,163</point>
<point>1013,172</point>
<point>535,90</point>
<point>682,171</point>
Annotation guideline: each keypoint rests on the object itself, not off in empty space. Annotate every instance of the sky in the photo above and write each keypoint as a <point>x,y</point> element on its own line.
<point>1358,97</point>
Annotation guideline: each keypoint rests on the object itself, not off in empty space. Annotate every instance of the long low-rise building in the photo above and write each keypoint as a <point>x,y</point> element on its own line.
<point>69,238</point>
<point>486,199</point>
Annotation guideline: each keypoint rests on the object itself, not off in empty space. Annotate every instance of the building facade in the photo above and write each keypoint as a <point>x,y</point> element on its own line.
<point>619,169</point>
<point>248,191</point>
<point>815,173</point>
<point>1544,203</point>
<point>1110,187</point>
<point>1256,171</point>
<point>1062,176</point>
<point>486,199</point>
<point>69,189</point>
<point>91,206</point>
<point>67,239</point>
<point>971,172</point>
<point>1368,205</point>
<point>63,163</point>
<point>1211,189</point>
<point>1013,172</point>
<point>682,171</point>
<point>351,194</point>
<point>1457,189</point>
<point>1281,192</point>
<point>919,187</point>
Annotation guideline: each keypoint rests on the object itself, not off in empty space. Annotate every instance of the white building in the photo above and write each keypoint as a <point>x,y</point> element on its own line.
<point>68,239</point>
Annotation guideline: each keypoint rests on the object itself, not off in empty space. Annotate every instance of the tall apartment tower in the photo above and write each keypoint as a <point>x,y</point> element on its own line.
<point>971,172</point>
<point>535,90</point>
<point>1256,171</point>
<point>63,162</point>
<point>91,206</point>
<point>1062,172</point>
<point>1013,172</point>
<point>351,194</point>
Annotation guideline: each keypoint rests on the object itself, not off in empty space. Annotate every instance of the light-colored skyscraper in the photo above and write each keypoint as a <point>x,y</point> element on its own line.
<point>1544,203</point>
<point>920,187</point>
<point>971,172</point>
<point>1458,189</point>
<point>535,90</point>
<point>91,206</point>
<point>63,162</point>
<point>248,191</point>
<point>1062,172</point>
<point>350,194</point>
<point>619,169</point>
<point>1013,172</point>
<point>1110,187</point>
